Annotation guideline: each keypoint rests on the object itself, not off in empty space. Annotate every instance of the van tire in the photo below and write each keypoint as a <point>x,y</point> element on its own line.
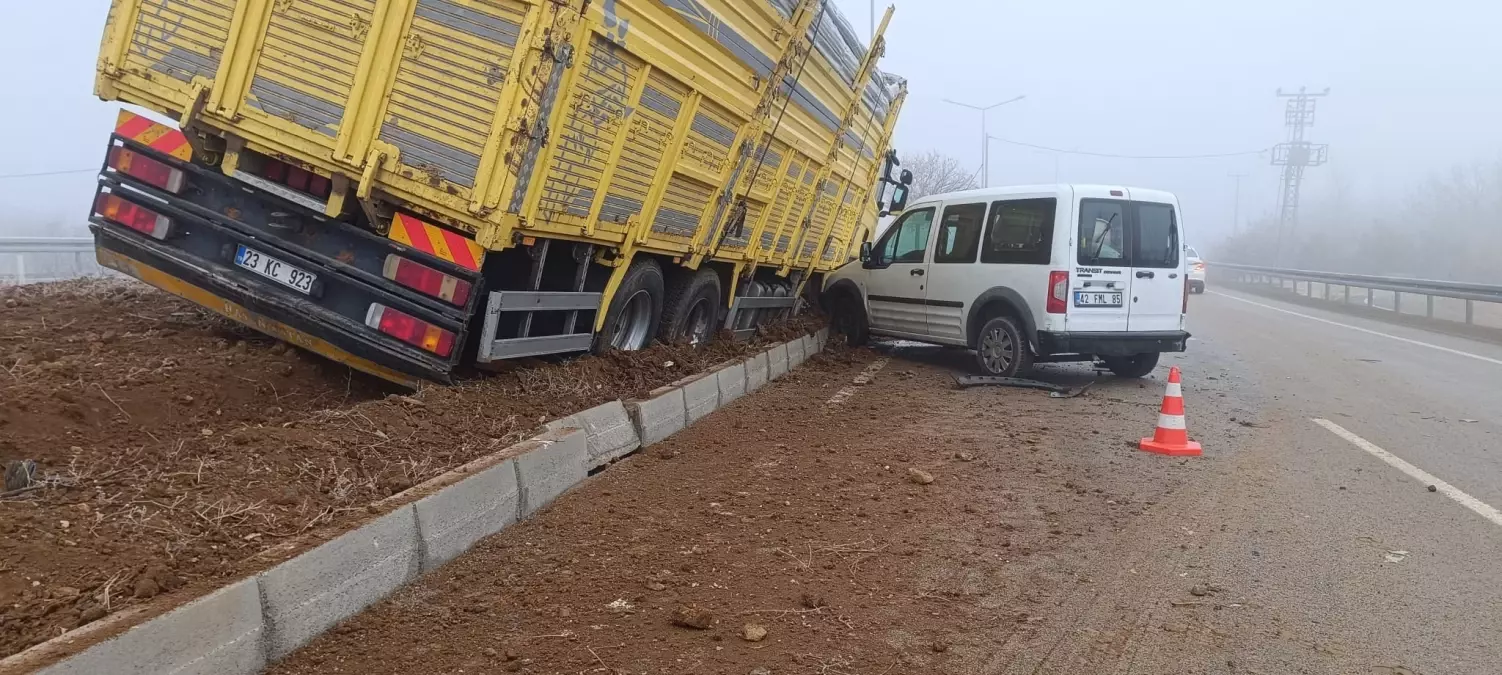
<point>691,312</point>
<point>1000,349</point>
<point>628,326</point>
<point>1135,366</point>
<point>849,319</point>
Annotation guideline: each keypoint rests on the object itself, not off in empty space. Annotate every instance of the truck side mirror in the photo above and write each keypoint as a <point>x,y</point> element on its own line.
<point>906,178</point>
<point>865,251</point>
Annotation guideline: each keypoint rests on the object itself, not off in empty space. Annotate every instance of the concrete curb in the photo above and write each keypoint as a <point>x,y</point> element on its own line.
<point>661,415</point>
<point>797,351</point>
<point>611,432</point>
<point>241,628</point>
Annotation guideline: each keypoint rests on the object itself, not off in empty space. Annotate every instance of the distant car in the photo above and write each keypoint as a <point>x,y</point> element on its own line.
<point>1196,270</point>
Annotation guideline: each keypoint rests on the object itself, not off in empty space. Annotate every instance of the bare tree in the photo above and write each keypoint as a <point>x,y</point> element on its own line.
<point>935,172</point>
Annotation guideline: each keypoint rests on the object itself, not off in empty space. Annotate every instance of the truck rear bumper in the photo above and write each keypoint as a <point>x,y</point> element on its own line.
<point>1112,344</point>
<point>269,310</point>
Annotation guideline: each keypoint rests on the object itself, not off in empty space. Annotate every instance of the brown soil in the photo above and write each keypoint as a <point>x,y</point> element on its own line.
<point>175,450</point>
<point>784,534</point>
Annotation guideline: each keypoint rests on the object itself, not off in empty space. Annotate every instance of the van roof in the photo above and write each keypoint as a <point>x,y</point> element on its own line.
<point>1083,191</point>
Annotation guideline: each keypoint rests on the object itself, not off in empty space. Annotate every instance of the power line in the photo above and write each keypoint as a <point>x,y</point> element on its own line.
<point>1119,156</point>
<point>38,174</point>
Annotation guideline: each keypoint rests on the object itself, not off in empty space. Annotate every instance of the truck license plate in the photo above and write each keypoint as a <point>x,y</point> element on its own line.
<point>1093,299</point>
<point>275,269</point>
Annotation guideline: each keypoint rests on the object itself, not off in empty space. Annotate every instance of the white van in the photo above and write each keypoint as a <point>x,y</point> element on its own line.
<point>1024,275</point>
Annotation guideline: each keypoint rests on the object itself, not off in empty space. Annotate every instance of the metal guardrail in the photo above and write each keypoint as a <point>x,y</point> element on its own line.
<point>1429,288</point>
<point>25,260</point>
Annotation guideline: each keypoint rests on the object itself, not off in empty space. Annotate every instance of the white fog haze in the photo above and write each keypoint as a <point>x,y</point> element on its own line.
<point>1412,101</point>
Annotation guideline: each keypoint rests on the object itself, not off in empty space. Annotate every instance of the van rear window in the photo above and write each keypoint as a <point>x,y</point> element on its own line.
<point>1019,232</point>
<point>1157,238</point>
<point>1102,240</point>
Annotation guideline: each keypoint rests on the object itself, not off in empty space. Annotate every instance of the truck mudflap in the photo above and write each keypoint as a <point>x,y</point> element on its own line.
<point>301,324</point>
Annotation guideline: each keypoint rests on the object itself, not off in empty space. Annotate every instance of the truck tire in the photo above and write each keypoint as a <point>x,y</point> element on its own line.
<point>631,320</point>
<point>1001,350</point>
<point>692,310</point>
<point>849,319</point>
<point>1135,366</point>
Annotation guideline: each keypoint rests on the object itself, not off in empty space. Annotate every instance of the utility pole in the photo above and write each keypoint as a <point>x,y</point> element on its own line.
<point>985,139</point>
<point>1236,204</point>
<point>1294,155</point>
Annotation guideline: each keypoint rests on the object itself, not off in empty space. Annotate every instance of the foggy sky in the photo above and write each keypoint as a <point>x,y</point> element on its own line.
<point>1414,92</point>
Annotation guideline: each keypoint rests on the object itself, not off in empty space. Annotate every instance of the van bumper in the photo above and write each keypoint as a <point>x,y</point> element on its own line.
<point>1112,344</point>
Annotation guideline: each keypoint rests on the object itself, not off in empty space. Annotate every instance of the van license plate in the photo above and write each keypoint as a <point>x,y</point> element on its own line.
<point>1093,299</point>
<point>276,270</point>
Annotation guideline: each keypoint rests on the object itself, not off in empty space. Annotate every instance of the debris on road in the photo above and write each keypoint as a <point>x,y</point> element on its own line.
<point>1396,556</point>
<point>919,476</point>
<point>1433,488</point>
<point>1056,391</point>
<point>693,617</point>
<point>753,633</point>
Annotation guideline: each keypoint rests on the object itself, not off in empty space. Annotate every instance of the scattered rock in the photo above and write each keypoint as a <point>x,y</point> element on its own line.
<point>759,670</point>
<point>753,633</point>
<point>146,587</point>
<point>93,613</point>
<point>656,586</point>
<point>1199,591</point>
<point>1433,488</point>
<point>692,617</point>
<point>919,476</point>
<point>939,647</point>
<point>964,456</point>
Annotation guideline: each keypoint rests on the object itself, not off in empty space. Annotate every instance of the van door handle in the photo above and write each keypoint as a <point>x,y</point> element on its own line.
<point>1145,274</point>
<point>917,272</point>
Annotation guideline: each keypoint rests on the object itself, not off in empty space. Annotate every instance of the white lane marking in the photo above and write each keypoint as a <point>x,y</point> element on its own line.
<point>861,379</point>
<point>1447,350</point>
<point>1481,508</point>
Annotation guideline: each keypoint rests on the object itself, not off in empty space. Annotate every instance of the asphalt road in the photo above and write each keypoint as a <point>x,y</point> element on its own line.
<point>1327,532</point>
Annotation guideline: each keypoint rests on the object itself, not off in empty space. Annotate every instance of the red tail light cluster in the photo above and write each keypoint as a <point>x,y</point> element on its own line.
<point>111,207</point>
<point>296,178</point>
<point>410,330</point>
<point>425,279</point>
<point>141,167</point>
<point>1058,292</point>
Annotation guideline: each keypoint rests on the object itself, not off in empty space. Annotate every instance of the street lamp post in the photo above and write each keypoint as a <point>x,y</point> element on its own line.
<point>985,139</point>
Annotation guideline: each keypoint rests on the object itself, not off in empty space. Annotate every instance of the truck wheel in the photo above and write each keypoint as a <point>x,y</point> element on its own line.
<point>692,308</point>
<point>632,318</point>
<point>1001,350</point>
<point>1132,366</point>
<point>849,320</point>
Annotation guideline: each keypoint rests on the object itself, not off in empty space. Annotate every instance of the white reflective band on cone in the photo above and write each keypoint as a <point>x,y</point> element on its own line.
<point>1171,422</point>
<point>1174,390</point>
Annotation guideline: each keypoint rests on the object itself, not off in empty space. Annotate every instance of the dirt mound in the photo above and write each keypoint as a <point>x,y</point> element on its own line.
<point>175,449</point>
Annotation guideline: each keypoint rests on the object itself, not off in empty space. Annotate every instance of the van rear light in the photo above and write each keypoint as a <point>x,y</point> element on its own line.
<point>111,207</point>
<point>419,277</point>
<point>410,330</point>
<point>1058,292</point>
<point>141,167</point>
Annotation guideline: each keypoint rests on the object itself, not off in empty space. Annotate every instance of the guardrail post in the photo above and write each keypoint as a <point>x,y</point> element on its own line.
<point>20,269</point>
<point>1430,300</point>
<point>1469,309</point>
<point>1397,302</point>
<point>1327,291</point>
<point>1347,299</point>
<point>1368,297</point>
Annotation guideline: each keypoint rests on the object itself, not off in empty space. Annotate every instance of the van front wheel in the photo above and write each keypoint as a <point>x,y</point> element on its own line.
<point>1000,349</point>
<point>849,320</point>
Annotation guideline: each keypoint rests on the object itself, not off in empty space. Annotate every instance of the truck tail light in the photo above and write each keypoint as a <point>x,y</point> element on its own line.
<point>111,207</point>
<point>425,279</point>
<point>141,167</point>
<point>410,330</point>
<point>1058,292</point>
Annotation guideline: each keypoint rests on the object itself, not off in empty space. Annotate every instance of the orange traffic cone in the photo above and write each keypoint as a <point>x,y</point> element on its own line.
<point>1172,435</point>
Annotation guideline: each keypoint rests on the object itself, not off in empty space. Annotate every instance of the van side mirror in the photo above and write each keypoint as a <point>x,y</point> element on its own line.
<point>865,251</point>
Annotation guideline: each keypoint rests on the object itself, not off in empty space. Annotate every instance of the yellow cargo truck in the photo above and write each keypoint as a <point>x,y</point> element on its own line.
<point>410,186</point>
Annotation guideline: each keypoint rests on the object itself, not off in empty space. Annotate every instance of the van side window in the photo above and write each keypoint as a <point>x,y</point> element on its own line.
<point>907,240</point>
<point>1157,237</point>
<point>959,233</point>
<point>1102,240</point>
<point>1020,232</point>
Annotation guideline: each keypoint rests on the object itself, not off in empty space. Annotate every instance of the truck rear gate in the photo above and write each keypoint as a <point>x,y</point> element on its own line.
<point>742,134</point>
